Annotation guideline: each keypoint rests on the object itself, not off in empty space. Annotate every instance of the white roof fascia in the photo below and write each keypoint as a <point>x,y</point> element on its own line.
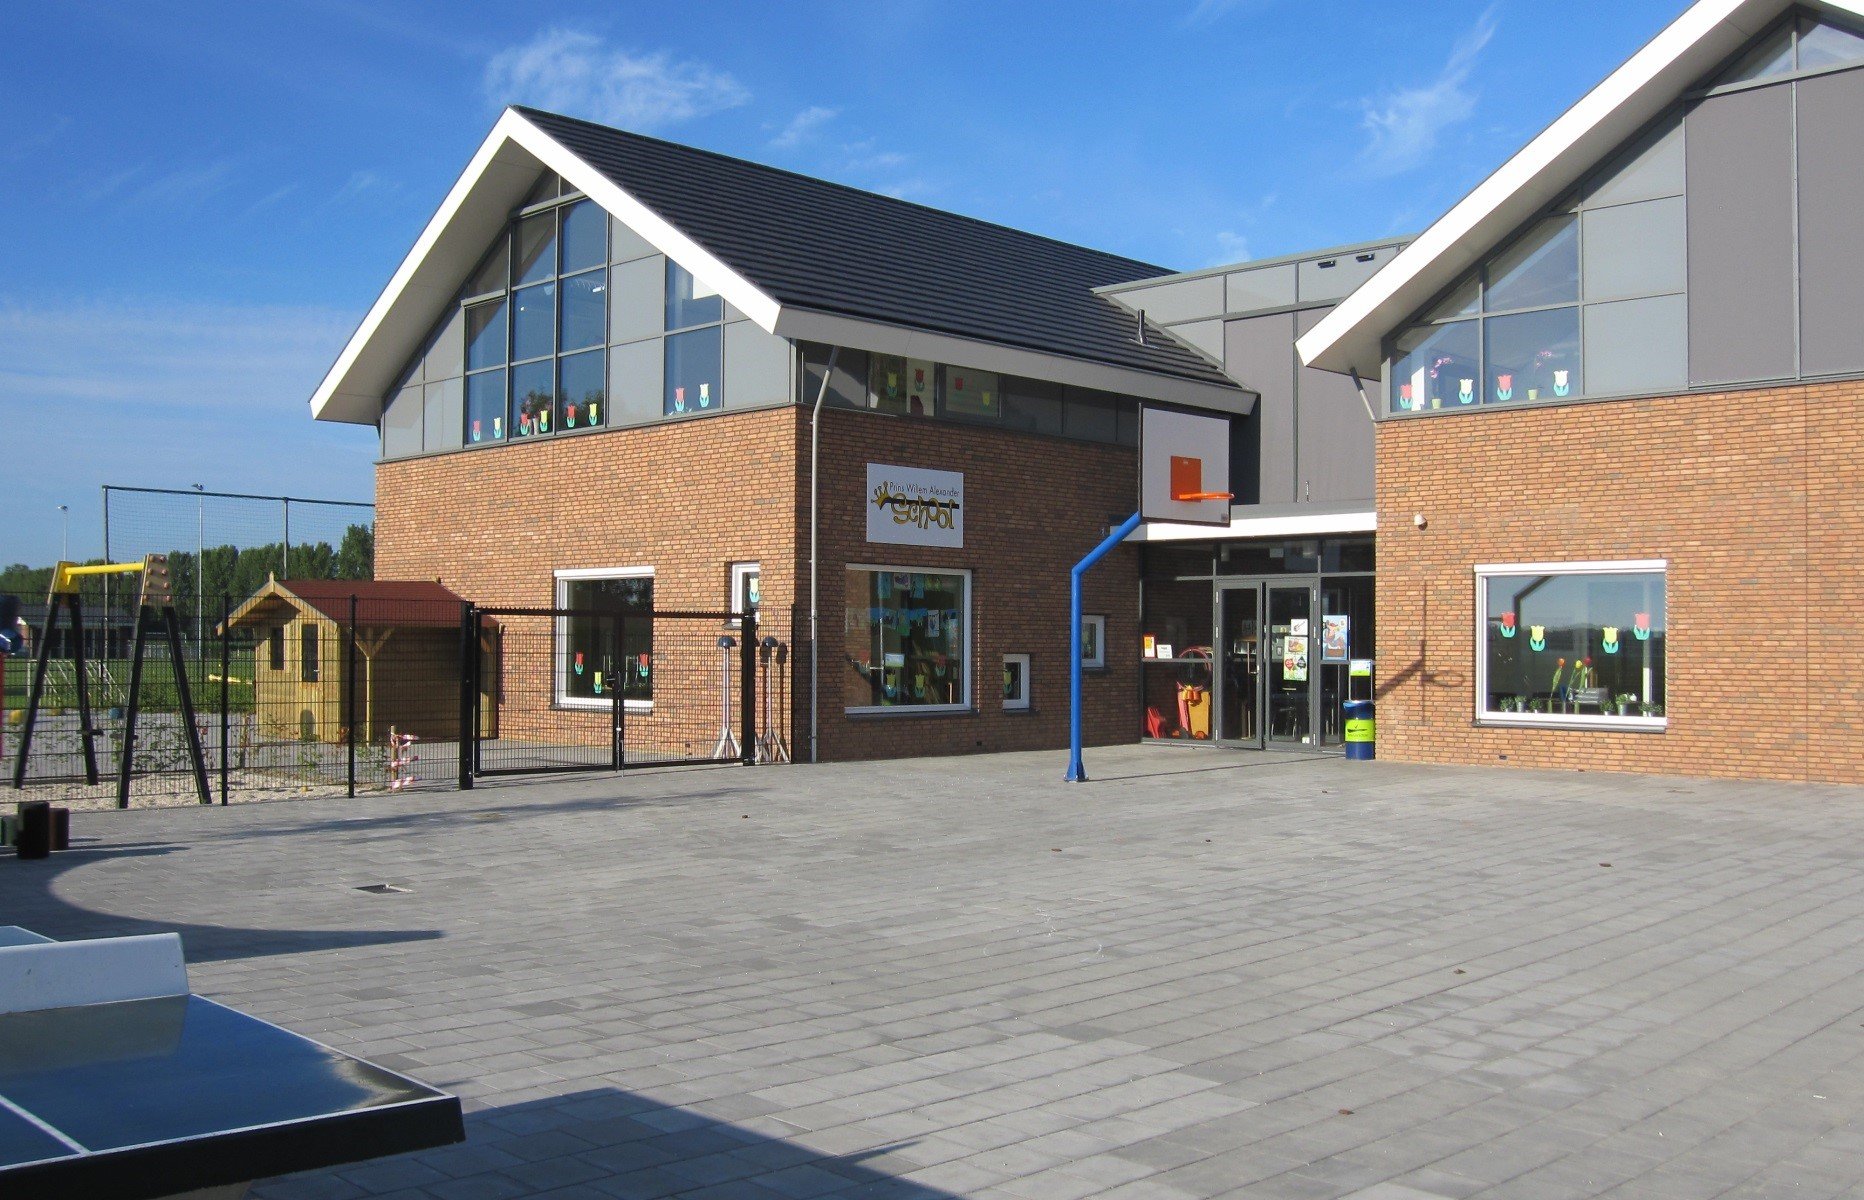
<point>811,325</point>
<point>479,203</point>
<point>1301,525</point>
<point>1351,336</point>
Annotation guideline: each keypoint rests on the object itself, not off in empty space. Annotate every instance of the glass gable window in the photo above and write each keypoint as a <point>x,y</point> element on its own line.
<point>1571,644</point>
<point>1436,366</point>
<point>593,665</point>
<point>536,314</point>
<point>694,369</point>
<point>907,639</point>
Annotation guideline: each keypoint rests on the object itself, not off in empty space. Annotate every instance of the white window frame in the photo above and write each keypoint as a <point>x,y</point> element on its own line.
<point>1025,701</point>
<point>970,646</point>
<point>561,633</point>
<point>739,570</point>
<point>1483,717</point>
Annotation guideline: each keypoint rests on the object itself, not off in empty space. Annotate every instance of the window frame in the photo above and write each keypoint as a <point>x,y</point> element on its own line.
<point>737,573</point>
<point>1486,718</point>
<point>559,637</point>
<point>1097,660</point>
<point>310,653</point>
<point>969,642</point>
<point>1025,700</point>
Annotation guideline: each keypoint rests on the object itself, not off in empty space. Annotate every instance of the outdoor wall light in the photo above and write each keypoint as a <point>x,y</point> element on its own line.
<point>1420,520</point>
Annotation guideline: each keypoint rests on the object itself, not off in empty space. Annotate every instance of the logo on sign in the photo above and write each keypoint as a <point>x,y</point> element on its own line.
<point>914,507</point>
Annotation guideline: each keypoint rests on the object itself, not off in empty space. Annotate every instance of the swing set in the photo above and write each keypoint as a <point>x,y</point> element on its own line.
<point>155,612</point>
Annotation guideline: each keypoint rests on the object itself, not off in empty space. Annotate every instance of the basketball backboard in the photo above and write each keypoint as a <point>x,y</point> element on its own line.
<point>1184,467</point>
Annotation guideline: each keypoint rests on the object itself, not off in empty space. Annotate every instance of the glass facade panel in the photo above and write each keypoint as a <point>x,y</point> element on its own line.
<point>906,639</point>
<point>1587,644</point>
<point>693,381</point>
<point>975,394</point>
<point>1436,366</point>
<point>537,249</point>
<point>581,391</point>
<point>1033,405</point>
<point>485,335</point>
<point>901,385</point>
<point>1822,45</point>
<point>533,321</point>
<point>1532,356</point>
<point>1772,57</point>
<point>690,302</point>
<point>533,398</point>
<point>585,319</point>
<point>1541,269</point>
<point>585,237</point>
<point>485,407</point>
<point>592,665</point>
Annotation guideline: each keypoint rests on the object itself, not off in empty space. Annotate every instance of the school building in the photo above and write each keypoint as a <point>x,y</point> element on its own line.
<point>1564,478</point>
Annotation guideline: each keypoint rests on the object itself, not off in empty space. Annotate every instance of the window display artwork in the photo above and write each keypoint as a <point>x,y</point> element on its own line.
<point>905,639</point>
<point>591,665</point>
<point>1577,665</point>
<point>972,393</point>
<point>903,386</point>
<point>1335,634</point>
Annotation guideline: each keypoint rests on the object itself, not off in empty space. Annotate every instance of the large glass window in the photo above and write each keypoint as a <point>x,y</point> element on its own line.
<point>533,398</point>
<point>695,368</point>
<point>1540,269</point>
<point>485,335</point>
<point>582,392</point>
<point>1436,366</point>
<point>907,642</point>
<point>690,302</point>
<point>605,646</point>
<point>585,317</point>
<point>533,321</point>
<point>537,249</point>
<point>485,407</point>
<point>585,237</point>
<point>1565,644</point>
<point>1533,355</point>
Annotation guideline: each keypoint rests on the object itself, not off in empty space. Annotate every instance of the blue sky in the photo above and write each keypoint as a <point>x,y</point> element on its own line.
<point>203,198</point>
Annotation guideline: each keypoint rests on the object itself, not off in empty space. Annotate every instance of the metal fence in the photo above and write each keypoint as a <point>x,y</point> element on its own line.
<point>337,693</point>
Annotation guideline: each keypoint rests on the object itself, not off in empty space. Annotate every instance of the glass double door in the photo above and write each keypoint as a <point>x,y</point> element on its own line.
<point>1267,664</point>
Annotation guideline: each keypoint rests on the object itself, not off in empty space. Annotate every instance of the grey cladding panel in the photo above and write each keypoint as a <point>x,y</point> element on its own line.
<point>757,367</point>
<point>637,300</point>
<point>1264,287</point>
<point>1260,352</point>
<point>625,244</point>
<point>1333,278</point>
<point>1740,152</point>
<point>634,382</point>
<point>446,356</point>
<point>1831,223</point>
<point>1651,166</point>
<point>1635,249</point>
<point>1205,335</point>
<point>401,424</point>
<point>1333,433</point>
<point>445,421</point>
<point>1185,300</point>
<point>1637,346</point>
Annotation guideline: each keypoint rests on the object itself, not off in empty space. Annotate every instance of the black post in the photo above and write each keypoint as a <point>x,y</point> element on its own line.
<point>747,690</point>
<point>86,728</point>
<point>469,691</point>
<point>349,696</point>
<point>226,669</point>
<point>172,621</point>
<point>126,754</point>
<point>617,723</point>
<point>36,691</point>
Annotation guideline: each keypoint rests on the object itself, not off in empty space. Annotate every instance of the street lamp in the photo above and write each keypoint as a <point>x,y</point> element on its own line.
<point>200,566</point>
<point>64,535</point>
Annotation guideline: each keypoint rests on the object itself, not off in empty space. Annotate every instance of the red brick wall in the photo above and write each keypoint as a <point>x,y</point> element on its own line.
<point>1750,495</point>
<point>692,497</point>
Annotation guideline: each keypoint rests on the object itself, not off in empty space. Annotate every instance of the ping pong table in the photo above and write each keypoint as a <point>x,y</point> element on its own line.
<point>166,1094</point>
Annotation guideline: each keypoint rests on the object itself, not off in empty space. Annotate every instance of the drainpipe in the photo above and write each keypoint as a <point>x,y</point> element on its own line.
<point>815,498</point>
<point>1360,386</point>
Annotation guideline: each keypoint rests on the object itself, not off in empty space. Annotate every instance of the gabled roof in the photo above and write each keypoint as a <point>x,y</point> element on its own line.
<point>1350,337</point>
<point>801,257</point>
<point>380,602</point>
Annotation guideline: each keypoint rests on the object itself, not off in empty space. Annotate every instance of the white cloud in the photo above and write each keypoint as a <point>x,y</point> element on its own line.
<point>1205,12</point>
<point>803,126</point>
<point>577,73</point>
<point>1402,127</point>
<point>1232,247</point>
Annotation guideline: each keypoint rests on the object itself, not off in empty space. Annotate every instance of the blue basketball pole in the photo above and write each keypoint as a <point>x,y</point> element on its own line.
<point>1076,772</point>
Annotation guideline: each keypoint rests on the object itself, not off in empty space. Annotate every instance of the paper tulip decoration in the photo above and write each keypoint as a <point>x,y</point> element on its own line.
<point>1404,396</point>
<point>1610,634</point>
<point>595,413</point>
<point>1537,638</point>
<point>705,395</point>
<point>679,399</point>
<point>1560,384</point>
<point>579,665</point>
<point>598,683</point>
<point>1508,625</point>
<point>1465,391</point>
<point>476,433</point>
<point>1640,627</point>
<point>1504,387</point>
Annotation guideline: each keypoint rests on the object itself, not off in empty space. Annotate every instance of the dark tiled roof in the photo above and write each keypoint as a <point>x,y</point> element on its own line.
<point>819,245</point>
<point>379,601</point>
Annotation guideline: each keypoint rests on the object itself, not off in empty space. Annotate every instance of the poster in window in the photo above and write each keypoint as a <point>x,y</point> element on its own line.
<point>1294,659</point>
<point>971,393</point>
<point>1335,637</point>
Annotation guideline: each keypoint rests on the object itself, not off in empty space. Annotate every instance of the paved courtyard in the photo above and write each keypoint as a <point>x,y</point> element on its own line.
<point>1202,974</point>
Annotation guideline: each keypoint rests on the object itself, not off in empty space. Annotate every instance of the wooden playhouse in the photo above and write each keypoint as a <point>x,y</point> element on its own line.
<point>407,659</point>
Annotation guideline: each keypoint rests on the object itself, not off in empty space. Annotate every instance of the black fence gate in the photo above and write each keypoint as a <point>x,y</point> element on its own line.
<point>568,689</point>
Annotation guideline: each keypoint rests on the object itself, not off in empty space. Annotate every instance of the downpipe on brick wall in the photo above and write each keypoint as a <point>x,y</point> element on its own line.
<point>815,504</point>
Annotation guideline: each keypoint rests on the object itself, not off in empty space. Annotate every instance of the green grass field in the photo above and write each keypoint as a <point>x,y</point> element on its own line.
<point>109,680</point>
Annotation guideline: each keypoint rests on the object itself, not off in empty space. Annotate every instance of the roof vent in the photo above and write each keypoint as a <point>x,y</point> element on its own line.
<point>1326,262</point>
<point>1140,337</point>
<point>1368,256</point>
